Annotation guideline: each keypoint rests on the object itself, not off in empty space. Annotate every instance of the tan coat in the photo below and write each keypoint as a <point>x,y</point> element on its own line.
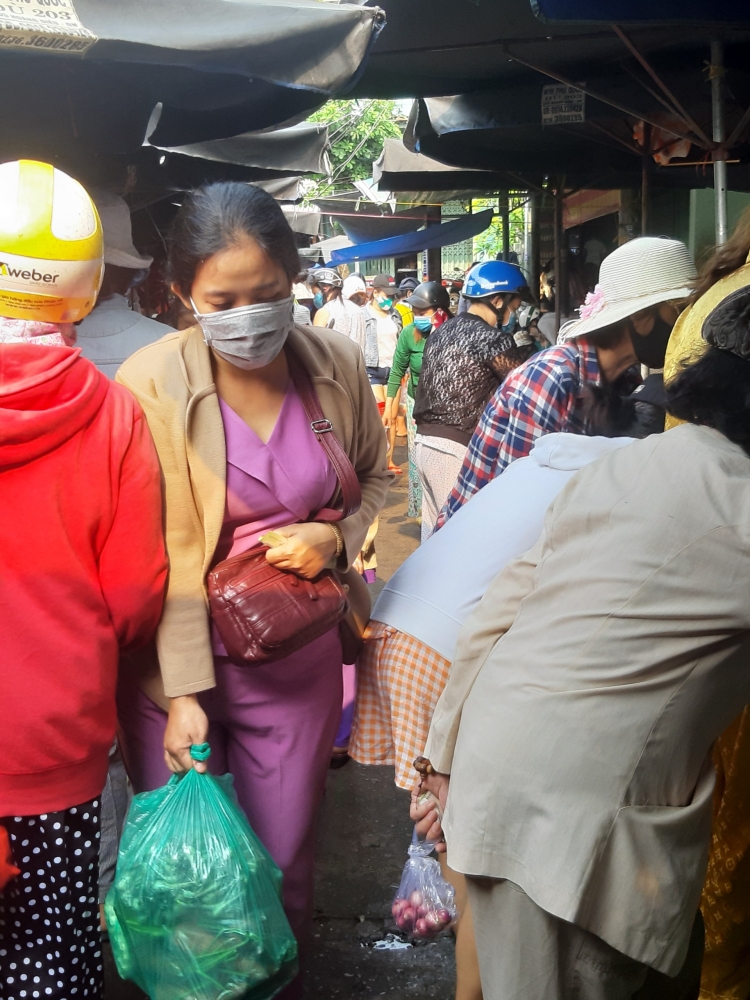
<point>173,382</point>
<point>589,686</point>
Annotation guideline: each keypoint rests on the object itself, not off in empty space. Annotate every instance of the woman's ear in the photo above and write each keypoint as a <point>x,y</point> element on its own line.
<point>668,313</point>
<point>185,301</point>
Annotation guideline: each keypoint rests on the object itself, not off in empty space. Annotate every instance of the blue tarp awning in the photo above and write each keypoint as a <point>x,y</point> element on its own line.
<point>624,11</point>
<point>426,239</point>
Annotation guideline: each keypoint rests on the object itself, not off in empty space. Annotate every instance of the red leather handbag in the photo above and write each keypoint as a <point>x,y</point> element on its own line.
<point>263,613</point>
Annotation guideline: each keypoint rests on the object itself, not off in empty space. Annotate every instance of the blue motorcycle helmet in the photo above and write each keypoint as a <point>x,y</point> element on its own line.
<point>495,277</point>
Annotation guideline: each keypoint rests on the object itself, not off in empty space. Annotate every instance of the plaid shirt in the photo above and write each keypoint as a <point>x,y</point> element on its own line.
<point>541,396</point>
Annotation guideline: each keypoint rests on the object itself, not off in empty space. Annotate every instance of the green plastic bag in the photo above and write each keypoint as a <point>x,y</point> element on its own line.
<point>195,911</point>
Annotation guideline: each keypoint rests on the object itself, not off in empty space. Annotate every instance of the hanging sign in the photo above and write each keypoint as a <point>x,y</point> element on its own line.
<point>47,25</point>
<point>562,104</point>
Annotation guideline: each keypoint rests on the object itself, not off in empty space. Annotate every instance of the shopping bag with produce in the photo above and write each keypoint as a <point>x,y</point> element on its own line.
<point>424,903</point>
<point>195,911</point>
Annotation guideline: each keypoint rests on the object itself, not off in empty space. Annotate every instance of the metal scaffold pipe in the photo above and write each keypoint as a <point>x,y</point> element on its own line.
<point>719,137</point>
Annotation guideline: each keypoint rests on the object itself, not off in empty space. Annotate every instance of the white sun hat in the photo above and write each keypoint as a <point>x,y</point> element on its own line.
<point>118,232</point>
<point>642,273</point>
<point>353,284</point>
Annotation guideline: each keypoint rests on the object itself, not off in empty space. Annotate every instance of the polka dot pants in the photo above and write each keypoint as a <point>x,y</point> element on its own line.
<point>50,945</point>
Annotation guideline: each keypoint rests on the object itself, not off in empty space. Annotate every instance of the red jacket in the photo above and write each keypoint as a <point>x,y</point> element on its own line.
<point>82,569</point>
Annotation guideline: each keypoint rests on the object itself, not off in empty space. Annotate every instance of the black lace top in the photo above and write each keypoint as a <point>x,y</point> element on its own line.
<point>463,363</point>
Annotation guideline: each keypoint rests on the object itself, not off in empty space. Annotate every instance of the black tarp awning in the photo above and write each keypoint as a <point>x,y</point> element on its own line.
<point>149,173</point>
<point>401,169</point>
<point>214,68</point>
<point>433,236</point>
<point>362,227</point>
<point>301,149</point>
<point>284,189</point>
<point>625,11</point>
<point>531,154</point>
<point>433,48</point>
<point>502,129</point>
<point>363,220</point>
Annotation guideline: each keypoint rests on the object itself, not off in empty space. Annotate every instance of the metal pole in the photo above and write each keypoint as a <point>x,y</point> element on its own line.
<point>535,264</point>
<point>645,165</point>
<point>526,235</point>
<point>503,205</point>
<point>564,264</point>
<point>676,106</point>
<point>434,256</point>
<point>558,253</point>
<point>719,135</point>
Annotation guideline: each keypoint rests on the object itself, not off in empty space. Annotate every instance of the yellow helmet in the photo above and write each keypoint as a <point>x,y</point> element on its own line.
<point>51,246</point>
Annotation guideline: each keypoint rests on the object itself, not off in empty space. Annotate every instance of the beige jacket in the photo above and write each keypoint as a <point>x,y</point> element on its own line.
<point>588,688</point>
<point>173,382</point>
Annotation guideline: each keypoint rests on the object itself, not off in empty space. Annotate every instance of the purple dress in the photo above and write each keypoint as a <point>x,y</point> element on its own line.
<point>270,485</point>
<point>272,726</point>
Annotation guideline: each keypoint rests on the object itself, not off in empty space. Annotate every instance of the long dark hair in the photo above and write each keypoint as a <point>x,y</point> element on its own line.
<point>609,413</point>
<point>725,259</point>
<point>714,392</point>
<point>219,216</point>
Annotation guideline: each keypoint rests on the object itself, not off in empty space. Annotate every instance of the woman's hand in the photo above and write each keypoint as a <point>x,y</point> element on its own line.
<point>187,724</point>
<point>389,414</point>
<point>425,815</point>
<point>308,550</point>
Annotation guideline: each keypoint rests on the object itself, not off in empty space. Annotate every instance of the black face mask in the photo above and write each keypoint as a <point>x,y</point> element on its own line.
<point>651,349</point>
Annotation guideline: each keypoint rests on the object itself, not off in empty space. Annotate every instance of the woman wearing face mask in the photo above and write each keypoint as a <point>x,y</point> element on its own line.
<point>333,310</point>
<point>384,324</point>
<point>507,319</point>
<point>430,303</point>
<point>238,458</point>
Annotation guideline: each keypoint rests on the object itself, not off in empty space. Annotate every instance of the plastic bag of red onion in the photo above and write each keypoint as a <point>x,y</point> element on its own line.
<point>424,903</point>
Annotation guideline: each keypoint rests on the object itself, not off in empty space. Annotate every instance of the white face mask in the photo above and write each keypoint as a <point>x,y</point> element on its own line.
<point>249,336</point>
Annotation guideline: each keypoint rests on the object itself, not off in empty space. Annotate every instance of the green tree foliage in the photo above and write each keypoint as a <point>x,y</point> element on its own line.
<point>357,131</point>
<point>490,243</point>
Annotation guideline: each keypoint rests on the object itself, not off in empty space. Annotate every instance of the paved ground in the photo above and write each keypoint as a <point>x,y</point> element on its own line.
<point>363,836</point>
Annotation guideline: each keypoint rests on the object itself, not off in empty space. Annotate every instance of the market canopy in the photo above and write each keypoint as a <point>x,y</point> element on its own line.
<point>302,149</point>
<point>276,159</point>
<point>363,227</point>
<point>594,136</point>
<point>430,238</point>
<point>625,11</point>
<point>325,247</point>
<point>283,189</point>
<point>433,48</point>
<point>400,169</point>
<point>104,73</point>
<point>305,221</point>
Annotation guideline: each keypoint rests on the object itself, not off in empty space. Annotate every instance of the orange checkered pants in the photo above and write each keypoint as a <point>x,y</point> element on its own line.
<point>399,681</point>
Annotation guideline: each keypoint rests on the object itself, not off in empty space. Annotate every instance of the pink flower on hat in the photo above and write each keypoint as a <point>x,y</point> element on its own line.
<point>593,304</point>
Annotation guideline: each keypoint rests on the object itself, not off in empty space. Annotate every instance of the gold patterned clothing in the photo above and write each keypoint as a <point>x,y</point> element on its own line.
<point>726,894</point>
<point>686,343</point>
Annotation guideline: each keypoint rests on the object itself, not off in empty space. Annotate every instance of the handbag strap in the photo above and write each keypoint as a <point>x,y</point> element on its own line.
<point>322,428</point>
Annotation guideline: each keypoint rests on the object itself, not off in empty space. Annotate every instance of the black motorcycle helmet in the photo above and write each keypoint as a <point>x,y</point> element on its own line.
<point>408,285</point>
<point>429,295</point>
